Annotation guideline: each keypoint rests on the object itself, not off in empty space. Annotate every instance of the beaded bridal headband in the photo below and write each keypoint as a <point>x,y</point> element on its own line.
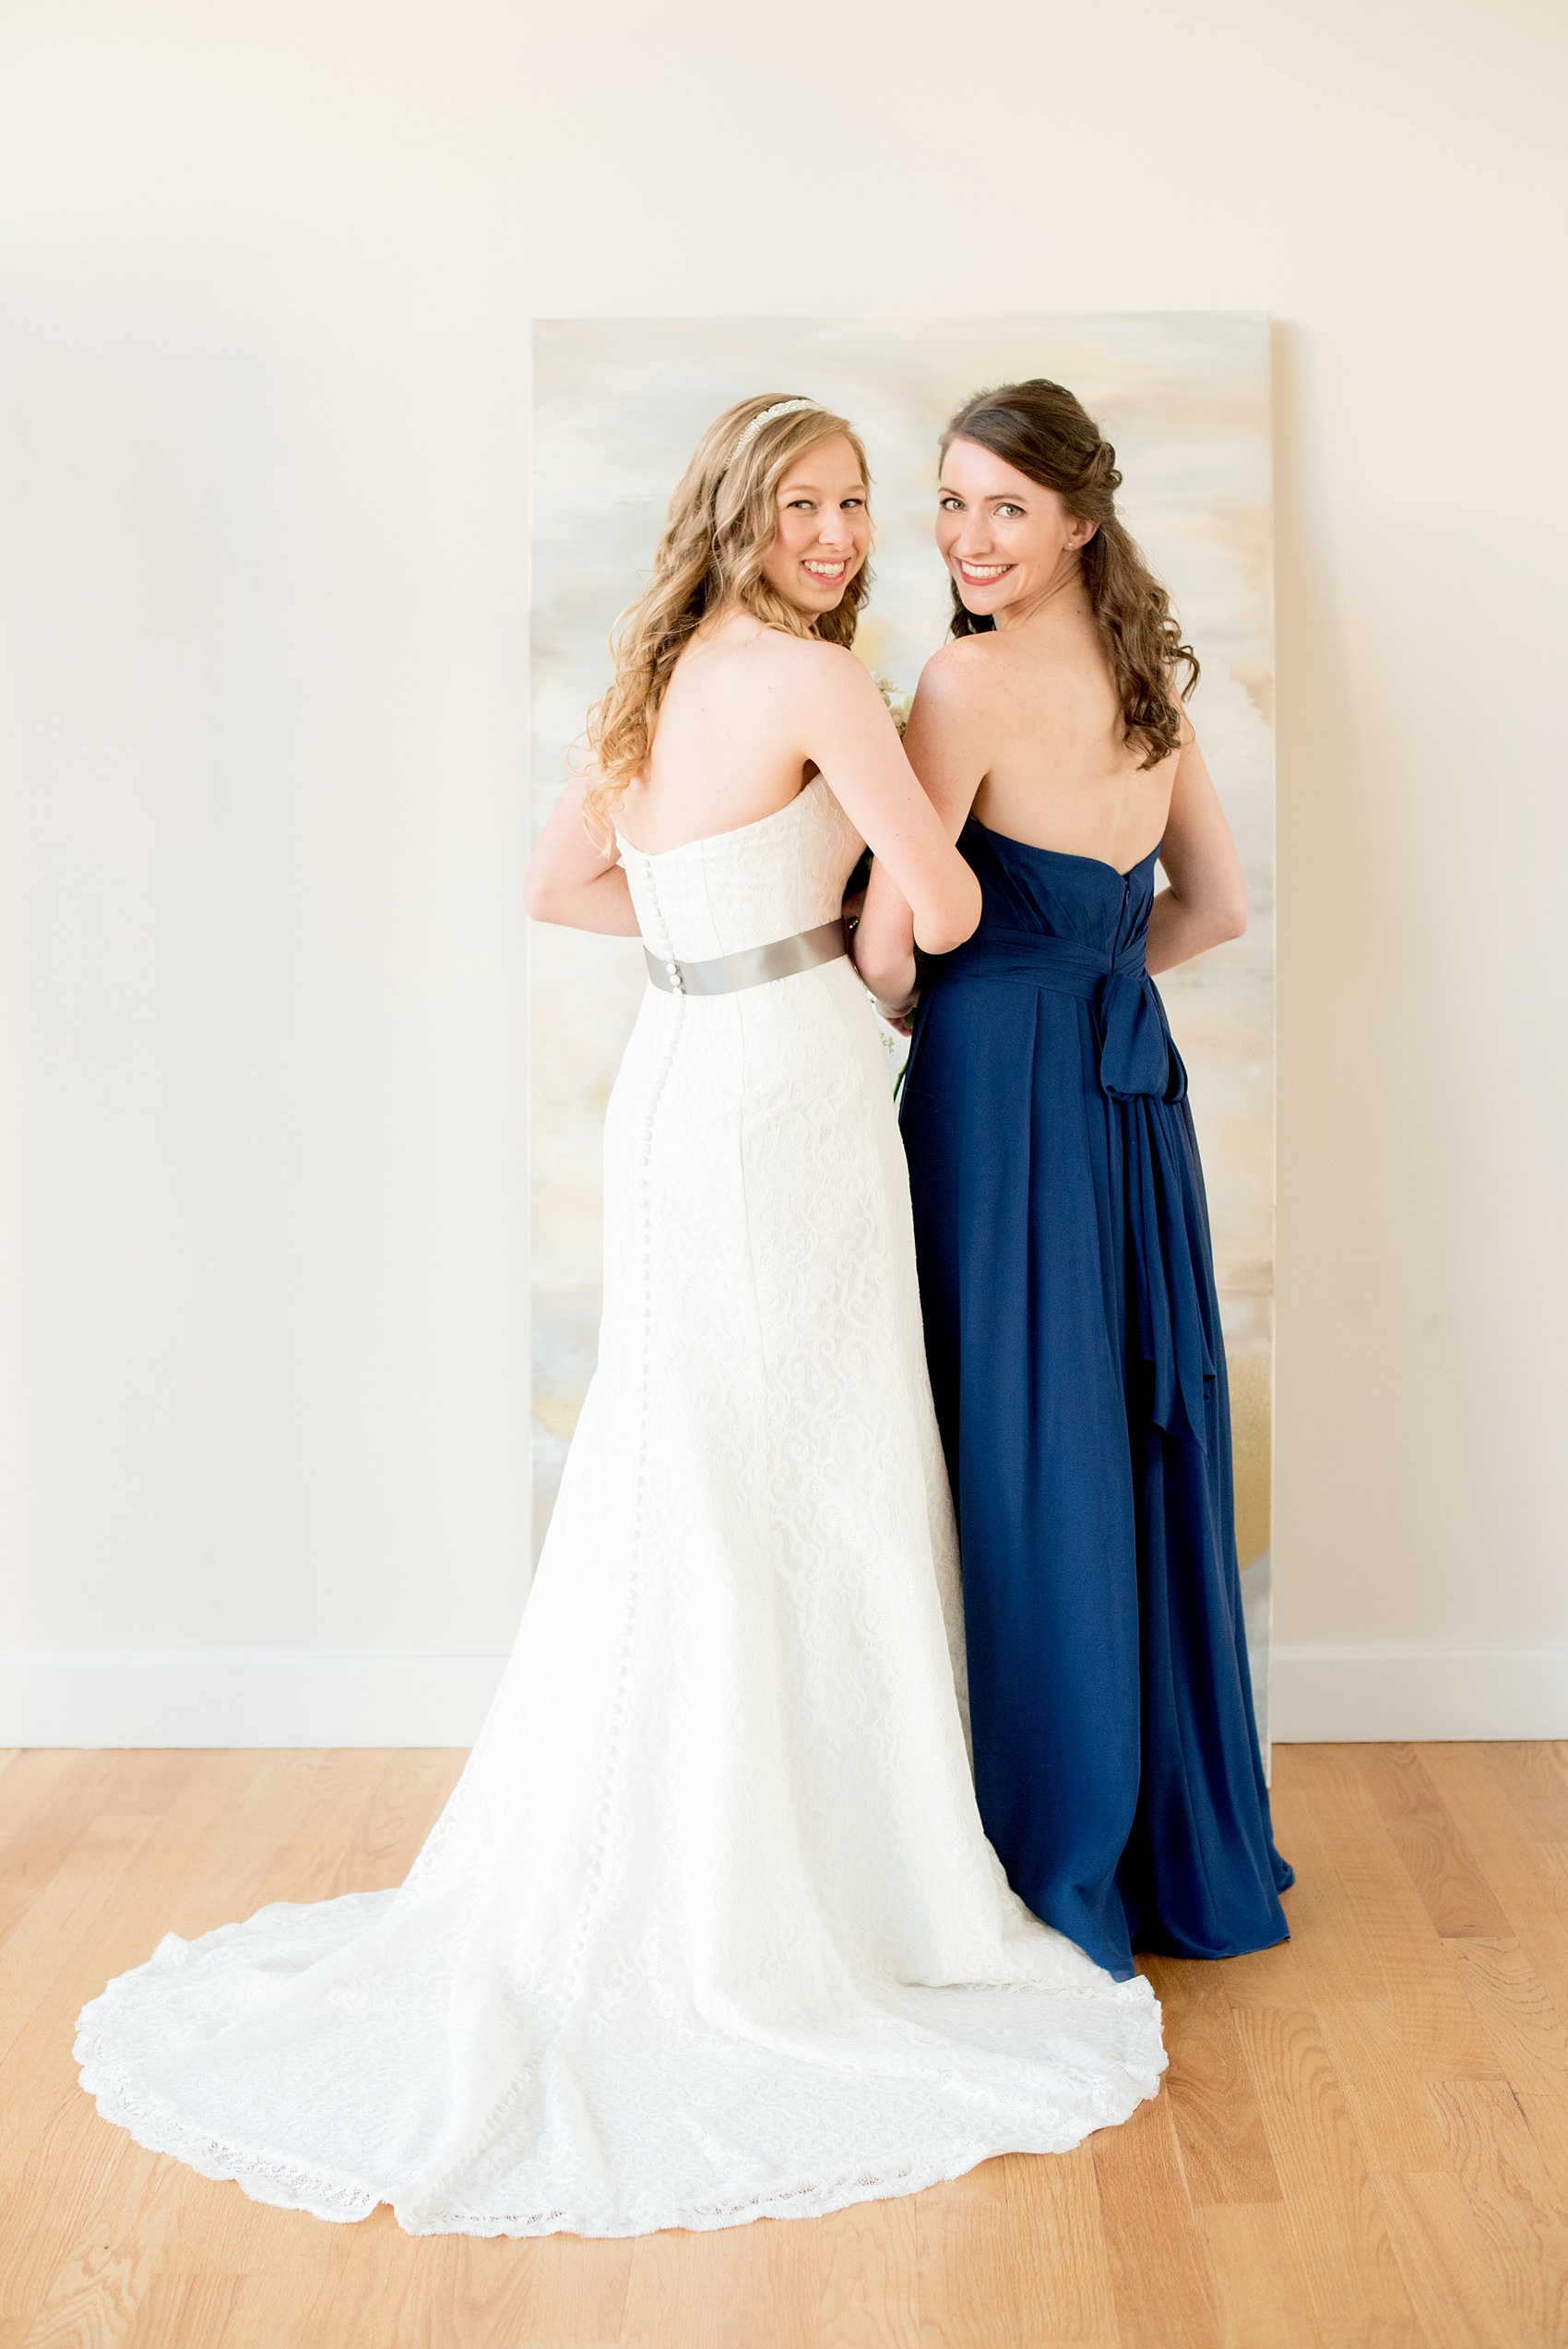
<point>780,407</point>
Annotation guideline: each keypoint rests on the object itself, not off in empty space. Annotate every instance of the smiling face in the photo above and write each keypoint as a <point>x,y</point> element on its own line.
<point>1007,540</point>
<point>824,532</point>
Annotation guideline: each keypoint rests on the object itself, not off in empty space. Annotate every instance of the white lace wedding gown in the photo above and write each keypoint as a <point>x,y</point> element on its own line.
<point>709,1929</point>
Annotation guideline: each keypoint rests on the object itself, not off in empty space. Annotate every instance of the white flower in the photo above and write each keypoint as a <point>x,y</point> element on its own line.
<point>896,699</point>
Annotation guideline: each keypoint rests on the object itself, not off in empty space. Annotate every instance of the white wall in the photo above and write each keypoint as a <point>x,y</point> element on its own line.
<point>266,277</point>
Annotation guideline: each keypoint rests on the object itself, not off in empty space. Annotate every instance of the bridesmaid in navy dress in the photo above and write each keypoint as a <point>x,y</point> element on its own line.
<point>1066,1274</point>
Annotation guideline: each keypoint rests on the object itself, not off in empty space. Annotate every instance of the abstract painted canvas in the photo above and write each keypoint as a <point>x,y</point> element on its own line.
<point>618,406</point>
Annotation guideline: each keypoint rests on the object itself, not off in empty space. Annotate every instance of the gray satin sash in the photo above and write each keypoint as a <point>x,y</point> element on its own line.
<point>752,967</point>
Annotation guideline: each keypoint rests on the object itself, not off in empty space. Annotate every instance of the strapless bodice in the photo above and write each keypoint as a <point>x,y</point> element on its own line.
<point>770,879</point>
<point>1073,926</point>
<point>1043,890</point>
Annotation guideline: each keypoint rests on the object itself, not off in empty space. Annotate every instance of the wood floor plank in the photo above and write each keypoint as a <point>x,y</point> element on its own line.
<point>1554,1864</point>
<point>387,2285</point>
<point>29,1778</point>
<point>185,2312</point>
<point>731,2289</point>
<point>59,2153</point>
<point>447,2292</point>
<point>962,2231</point>
<point>397,1812</point>
<point>871,2276</point>
<point>1447,2265</point>
<point>1261,2285</point>
<point>294,1813</point>
<point>197,1802</point>
<point>307,1826</point>
<point>64,1917</point>
<point>1389,2111</point>
<point>1514,2200</point>
<point>1397,1951</point>
<point>1546,2114</point>
<point>289,2293</point>
<point>1268,1977</point>
<point>1527,2029</point>
<point>104,2273</point>
<point>545,2292</point>
<point>46,2111</point>
<point>1339,2232</point>
<point>1510,1999</point>
<point>1453,1888</point>
<point>1329,1948</point>
<point>196,1818</point>
<point>41,2230</point>
<point>1535,1779</point>
<point>59,1805</point>
<point>76,2247</point>
<point>1475,1783</point>
<point>369,1813</point>
<point>1224,2146</point>
<point>1156,2252</point>
<point>218,2232</point>
<point>1014,2257</point>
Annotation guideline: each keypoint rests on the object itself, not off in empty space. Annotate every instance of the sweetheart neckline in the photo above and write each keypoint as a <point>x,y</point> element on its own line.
<point>1068,855</point>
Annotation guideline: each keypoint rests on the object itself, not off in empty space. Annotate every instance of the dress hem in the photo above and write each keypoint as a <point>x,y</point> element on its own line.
<point>269,2178</point>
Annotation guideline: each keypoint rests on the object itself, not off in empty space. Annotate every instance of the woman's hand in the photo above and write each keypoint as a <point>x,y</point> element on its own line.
<point>571,881</point>
<point>900,1017</point>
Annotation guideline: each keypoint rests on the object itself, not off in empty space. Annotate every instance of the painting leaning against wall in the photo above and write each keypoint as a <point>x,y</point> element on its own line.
<point>618,406</point>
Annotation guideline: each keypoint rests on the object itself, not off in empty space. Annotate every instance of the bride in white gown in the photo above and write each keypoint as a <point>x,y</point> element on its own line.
<point>709,1930</point>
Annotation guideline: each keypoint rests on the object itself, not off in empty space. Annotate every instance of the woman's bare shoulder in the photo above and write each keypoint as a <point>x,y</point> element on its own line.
<point>772,657</point>
<point>812,655</point>
<point>828,673</point>
<point>962,668</point>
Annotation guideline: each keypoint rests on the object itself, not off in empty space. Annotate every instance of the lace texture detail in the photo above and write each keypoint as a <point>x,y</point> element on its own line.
<point>709,1930</point>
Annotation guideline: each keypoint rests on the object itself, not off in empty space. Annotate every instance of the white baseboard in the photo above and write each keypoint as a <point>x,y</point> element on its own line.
<point>1325,1695</point>
<point>291,1696</point>
<point>366,1697</point>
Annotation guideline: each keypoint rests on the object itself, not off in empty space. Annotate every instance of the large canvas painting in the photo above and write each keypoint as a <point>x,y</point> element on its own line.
<point>618,406</point>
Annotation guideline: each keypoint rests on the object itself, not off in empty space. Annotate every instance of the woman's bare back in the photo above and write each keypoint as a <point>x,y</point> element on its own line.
<point>728,746</point>
<point>1023,726</point>
<point>1058,772</point>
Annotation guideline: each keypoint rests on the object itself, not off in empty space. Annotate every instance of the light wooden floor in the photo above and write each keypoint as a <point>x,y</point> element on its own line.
<point>1363,2141</point>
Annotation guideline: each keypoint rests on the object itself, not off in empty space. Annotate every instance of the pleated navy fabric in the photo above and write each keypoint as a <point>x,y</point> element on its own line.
<point>1078,1369</point>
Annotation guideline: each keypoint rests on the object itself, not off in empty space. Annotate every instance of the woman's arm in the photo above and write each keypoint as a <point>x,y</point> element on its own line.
<point>941,744</point>
<point>854,741</point>
<point>572,882</point>
<point>1206,901</point>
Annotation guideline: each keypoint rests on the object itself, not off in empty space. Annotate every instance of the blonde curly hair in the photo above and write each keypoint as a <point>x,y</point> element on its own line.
<point>723,520</point>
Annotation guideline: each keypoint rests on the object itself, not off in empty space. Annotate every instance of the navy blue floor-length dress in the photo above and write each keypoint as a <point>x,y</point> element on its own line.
<point>1073,1332</point>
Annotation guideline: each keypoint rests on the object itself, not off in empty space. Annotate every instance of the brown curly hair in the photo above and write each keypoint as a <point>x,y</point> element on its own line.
<point>1044,432</point>
<point>723,520</point>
